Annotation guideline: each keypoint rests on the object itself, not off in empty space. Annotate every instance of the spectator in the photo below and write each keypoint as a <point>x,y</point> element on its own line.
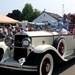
<point>31,28</point>
<point>26,28</point>
<point>5,30</point>
<point>5,35</point>
<point>10,33</point>
<point>22,30</point>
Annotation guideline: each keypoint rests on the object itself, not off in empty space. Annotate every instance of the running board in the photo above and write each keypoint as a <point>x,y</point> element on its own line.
<point>70,57</point>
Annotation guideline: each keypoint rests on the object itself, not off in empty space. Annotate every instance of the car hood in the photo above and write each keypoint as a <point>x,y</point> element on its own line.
<point>40,33</point>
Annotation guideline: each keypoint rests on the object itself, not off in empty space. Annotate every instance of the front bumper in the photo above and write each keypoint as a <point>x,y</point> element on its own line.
<point>19,67</point>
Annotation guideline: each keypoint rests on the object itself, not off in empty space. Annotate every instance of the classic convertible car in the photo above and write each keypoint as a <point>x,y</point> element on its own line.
<point>37,51</point>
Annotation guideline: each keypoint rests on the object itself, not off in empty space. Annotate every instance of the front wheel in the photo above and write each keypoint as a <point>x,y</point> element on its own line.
<point>45,64</point>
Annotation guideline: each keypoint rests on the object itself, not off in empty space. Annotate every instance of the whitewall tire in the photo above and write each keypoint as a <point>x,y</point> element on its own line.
<point>45,65</point>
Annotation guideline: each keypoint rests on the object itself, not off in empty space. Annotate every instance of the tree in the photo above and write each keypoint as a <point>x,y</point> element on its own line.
<point>29,13</point>
<point>16,14</point>
<point>35,14</point>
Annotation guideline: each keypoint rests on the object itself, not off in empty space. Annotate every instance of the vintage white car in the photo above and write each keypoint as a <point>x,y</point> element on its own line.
<point>37,51</point>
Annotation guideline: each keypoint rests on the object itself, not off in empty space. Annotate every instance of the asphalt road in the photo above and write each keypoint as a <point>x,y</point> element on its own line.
<point>65,68</point>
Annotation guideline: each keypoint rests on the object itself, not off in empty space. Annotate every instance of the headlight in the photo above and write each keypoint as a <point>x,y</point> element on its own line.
<point>8,41</point>
<point>25,42</point>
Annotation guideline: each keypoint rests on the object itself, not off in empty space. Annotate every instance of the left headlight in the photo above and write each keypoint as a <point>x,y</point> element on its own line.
<point>26,42</point>
<point>8,41</point>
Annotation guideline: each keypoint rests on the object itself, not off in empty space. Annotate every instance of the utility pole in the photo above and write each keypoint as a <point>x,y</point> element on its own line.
<point>62,9</point>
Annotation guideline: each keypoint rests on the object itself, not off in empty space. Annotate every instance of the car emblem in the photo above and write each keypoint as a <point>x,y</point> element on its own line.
<point>43,42</point>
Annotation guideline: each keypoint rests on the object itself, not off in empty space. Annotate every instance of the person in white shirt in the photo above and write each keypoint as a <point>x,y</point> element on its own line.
<point>64,30</point>
<point>26,28</point>
<point>5,30</point>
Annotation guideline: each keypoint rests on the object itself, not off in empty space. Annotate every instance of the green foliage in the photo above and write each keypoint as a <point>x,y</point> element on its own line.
<point>16,14</point>
<point>35,14</point>
<point>29,13</point>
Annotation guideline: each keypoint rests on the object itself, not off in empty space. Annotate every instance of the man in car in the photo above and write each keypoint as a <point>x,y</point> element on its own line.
<point>64,30</point>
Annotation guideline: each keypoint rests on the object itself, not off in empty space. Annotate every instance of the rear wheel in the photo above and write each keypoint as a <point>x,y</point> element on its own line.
<point>60,45</point>
<point>45,64</point>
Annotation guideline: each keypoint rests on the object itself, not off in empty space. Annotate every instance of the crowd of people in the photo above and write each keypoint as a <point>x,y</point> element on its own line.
<point>10,30</point>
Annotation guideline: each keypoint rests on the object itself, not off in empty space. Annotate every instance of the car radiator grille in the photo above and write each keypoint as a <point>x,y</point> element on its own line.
<point>19,51</point>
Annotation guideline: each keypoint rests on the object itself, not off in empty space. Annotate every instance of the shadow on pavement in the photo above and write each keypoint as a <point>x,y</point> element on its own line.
<point>58,69</point>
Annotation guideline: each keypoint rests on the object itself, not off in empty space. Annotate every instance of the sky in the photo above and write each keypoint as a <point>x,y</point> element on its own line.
<point>53,6</point>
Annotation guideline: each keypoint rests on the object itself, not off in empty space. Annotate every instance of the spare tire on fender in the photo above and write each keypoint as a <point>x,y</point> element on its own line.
<point>60,44</point>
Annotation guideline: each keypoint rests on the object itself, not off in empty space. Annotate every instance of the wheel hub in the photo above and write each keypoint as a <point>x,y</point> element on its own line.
<point>46,66</point>
<point>61,48</point>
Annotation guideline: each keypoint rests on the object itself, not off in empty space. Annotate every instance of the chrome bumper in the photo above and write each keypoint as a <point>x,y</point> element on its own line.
<point>19,67</point>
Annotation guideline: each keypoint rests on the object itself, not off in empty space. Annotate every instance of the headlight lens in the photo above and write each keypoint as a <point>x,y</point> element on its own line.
<point>8,41</point>
<point>25,42</point>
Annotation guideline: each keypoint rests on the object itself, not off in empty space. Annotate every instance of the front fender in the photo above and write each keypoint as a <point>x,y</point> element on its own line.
<point>3,46</point>
<point>43,48</point>
<point>6,51</point>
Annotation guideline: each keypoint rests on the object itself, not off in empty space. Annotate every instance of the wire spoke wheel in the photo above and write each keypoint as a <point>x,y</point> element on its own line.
<point>45,65</point>
<point>60,45</point>
<point>61,48</point>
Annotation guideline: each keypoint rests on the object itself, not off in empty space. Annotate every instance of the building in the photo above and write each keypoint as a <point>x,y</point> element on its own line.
<point>46,17</point>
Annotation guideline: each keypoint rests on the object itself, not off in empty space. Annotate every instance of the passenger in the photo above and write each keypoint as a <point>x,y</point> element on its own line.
<point>74,31</point>
<point>64,30</point>
<point>64,20</point>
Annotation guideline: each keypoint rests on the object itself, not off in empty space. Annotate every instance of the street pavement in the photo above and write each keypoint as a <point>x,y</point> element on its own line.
<point>65,68</point>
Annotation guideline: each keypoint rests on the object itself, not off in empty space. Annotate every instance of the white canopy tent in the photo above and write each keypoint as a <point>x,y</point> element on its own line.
<point>5,19</point>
